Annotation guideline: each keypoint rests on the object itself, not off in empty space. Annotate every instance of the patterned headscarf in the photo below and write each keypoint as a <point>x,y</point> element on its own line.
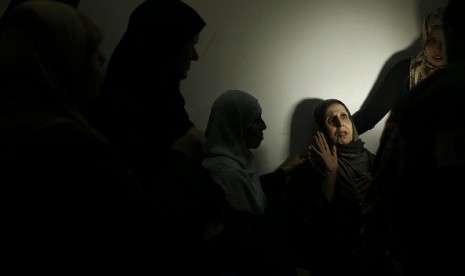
<point>420,68</point>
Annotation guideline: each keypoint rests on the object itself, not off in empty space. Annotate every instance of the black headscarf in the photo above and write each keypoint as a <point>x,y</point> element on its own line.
<point>140,88</point>
<point>157,29</point>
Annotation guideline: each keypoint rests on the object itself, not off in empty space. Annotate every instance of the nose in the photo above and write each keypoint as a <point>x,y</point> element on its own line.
<point>438,46</point>
<point>263,125</point>
<point>338,122</point>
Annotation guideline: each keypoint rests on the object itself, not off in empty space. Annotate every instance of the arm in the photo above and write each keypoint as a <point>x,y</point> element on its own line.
<point>274,183</point>
<point>191,144</point>
<point>383,98</point>
<point>329,156</point>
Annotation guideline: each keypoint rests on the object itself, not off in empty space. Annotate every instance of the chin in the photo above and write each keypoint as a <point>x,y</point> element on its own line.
<point>183,75</point>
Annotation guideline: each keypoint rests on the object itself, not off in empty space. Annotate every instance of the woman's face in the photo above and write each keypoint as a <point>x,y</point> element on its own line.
<point>186,54</point>
<point>339,124</point>
<point>253,135</point>
<point>434,47</point>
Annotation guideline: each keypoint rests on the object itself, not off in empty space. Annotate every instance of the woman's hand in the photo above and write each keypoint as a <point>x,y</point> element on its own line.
<point>192,144</point>
<point>364,182</point>
<point>329,155</point>
<point>292,162</point>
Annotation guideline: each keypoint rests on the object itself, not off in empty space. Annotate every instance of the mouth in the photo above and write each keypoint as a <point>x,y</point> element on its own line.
<point>342,136</point>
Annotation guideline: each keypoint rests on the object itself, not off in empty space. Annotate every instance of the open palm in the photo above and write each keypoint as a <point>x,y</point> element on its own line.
<point>329,155</point>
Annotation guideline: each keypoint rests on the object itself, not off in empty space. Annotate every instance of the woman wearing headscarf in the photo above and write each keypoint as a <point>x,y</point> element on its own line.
<point>413,211</point>
<point>406,74</point>
<point>66,193</point>
<point>325,195</point>
<point>432,55</point>
<point>142,113</point>
<point>141,108</point>
<point>235,128</point>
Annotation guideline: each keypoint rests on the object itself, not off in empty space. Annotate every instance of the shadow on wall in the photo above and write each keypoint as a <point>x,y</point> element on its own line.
<point>303,126</point>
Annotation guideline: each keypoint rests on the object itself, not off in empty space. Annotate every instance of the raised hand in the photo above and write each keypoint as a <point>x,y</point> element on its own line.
<point>329,155</point>
<point>192,144</point>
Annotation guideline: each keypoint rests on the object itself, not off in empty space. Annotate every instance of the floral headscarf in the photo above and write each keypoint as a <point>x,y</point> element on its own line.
<point>420,68</point>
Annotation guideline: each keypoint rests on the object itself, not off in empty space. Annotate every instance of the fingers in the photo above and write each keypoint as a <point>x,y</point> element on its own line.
<point>192,144</point>
<point>321,143</point>
<point>315,149</point>
<point>323,140</point>
<point>334,150</point>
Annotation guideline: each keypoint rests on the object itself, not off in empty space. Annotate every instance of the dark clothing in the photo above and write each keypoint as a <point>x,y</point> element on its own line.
<point>325,234</point>
<point>189,203</point>
<point>275,233</point>
<point>141,108</point>
<point>255,244</point>
<point>187,200</point>
<point>69,200</point>
<point>415,218</point>
<point>392,88</point>
<point>324,237</point>
<point>141,112</point>
<point>142,130</point>
<point>67,197</point>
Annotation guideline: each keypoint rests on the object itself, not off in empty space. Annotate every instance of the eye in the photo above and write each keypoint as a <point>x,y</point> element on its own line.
<point>431,41</point>
<point>331,120</point>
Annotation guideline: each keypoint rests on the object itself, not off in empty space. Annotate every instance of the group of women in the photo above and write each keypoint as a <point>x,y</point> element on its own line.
<point>109,162</point>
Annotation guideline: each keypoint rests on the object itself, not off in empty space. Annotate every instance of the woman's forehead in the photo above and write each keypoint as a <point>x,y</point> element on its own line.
<point>335,108</point>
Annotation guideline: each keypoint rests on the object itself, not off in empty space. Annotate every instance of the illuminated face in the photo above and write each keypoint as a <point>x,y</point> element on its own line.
<point>339,124</point>
<point>253,134</point>
<point>434,47</point>
<point>186,54</point>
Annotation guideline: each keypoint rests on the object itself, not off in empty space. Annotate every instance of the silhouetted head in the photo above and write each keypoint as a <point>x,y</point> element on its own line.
<point>49,50</point>
<point>158,45</point>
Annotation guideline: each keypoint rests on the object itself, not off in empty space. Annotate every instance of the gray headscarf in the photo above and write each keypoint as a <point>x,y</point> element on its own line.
<point>354,159</point>
<point>228,159</point>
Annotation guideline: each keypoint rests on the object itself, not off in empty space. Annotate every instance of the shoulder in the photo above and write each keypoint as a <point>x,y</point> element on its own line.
<point>403,65</point>
<point>220,163</point>
<point>221,167</point>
